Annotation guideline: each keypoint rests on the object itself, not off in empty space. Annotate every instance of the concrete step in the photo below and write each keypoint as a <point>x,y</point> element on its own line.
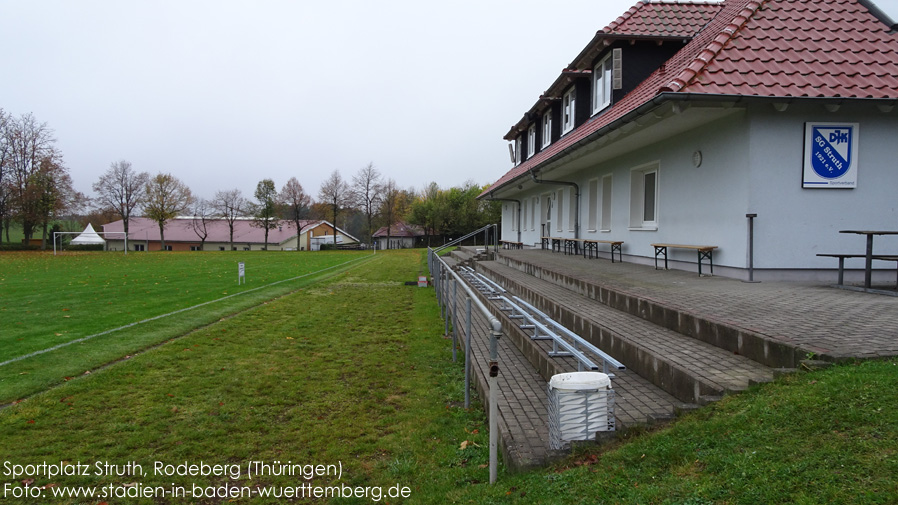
<point>686,368</point>
<point>523,393</point>
<point>774,353</point>
<point>463,256</point>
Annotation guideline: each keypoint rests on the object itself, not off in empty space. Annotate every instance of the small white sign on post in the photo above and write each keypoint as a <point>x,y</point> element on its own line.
<point>241,274</point>
<point>422,281</point>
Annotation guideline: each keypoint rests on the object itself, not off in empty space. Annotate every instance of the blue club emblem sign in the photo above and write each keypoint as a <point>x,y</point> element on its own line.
<point>830,155</point>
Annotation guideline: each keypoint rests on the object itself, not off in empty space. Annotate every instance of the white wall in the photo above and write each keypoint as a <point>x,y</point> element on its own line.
<point>751,163</point>
<point>795,224</point>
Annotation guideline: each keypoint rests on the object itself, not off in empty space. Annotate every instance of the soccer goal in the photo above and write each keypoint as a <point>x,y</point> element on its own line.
<point>55,233</point>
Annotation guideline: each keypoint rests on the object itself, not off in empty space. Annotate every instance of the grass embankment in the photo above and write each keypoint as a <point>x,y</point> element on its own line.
<point>827,437</point>
<point>48,301</point>
<point>354,371</point>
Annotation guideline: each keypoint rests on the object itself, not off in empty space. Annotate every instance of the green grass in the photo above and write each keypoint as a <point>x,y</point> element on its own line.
<point>353,370</point>
<point>811,438</point>
<point>47,301</point>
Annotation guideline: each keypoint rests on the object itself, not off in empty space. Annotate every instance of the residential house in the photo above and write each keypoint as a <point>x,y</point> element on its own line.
<point>400,235</point>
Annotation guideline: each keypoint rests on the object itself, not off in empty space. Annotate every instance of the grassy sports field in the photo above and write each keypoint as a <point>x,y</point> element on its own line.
<point>64,315</point>
<point>347,371</point>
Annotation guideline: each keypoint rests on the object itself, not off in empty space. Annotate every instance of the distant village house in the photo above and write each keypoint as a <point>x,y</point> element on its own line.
<point>185,234</point>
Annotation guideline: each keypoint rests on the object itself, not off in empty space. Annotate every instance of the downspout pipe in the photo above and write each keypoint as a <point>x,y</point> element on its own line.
<point>576,197</point>
<point>519,210</point>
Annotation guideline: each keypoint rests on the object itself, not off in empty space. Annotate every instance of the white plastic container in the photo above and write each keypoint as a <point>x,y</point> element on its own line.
<point>580,404</point>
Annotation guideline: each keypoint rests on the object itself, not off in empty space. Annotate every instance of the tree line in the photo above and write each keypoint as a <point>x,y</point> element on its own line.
<point>36,189</point>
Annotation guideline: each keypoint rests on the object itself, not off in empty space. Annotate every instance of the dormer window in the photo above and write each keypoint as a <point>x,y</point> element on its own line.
<point>547,128</point>
<point>568,105</point>
<point>517,151</point>
<point>602,82</point>
<point>531,141</point>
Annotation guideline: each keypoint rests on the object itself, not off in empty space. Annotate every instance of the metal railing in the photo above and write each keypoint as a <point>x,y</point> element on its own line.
<point>443,278</point>
<point>486,238</point>
<point>564,341</point>
<point>481,283</point>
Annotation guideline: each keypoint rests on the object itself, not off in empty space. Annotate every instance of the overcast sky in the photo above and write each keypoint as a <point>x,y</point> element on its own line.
<point>224,93</point>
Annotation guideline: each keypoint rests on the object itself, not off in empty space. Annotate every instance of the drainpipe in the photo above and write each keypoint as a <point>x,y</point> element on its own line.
<point>519,210</point>
<point>576,195</point>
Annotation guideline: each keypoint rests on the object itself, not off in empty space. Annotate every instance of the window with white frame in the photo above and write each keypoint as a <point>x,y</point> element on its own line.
<point>559,204</point>
<point>547,128</point>
<point>593,205</point>
<point>568,107</point>
<point>644,197</point>
<point>606,203</point>
<point>517,150</point>
<point>534,204</point>
<point>601,84</point>
<point>531,140</point>
<point>572,209</point>
<point>524,211</point>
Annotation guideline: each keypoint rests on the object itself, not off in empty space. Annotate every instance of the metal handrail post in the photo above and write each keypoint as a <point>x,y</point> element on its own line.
<point>454,321</point>
<point>494,399</point>
<point>445,288</point>
<point>468,353</point>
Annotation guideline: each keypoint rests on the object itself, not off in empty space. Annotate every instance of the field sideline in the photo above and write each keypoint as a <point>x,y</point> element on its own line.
<point>112,305</point>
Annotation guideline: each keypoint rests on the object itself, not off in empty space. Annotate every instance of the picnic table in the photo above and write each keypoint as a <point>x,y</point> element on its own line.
<point>868,265</point>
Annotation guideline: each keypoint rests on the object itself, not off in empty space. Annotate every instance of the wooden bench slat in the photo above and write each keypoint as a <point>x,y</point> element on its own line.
<point>704,252</point>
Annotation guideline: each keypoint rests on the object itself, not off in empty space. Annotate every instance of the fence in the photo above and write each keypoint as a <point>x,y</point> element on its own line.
<point>446,284</point>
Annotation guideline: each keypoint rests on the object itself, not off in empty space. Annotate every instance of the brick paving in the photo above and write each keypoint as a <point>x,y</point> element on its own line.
<point>816,317</point>
<point>717,369</point>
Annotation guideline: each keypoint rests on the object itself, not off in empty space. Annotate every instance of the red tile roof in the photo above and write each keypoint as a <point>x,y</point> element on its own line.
<point>181,230</point>
<point>664,19</point>
<point>797,48</point>
<point>400,229</point>
<point>772,48</point>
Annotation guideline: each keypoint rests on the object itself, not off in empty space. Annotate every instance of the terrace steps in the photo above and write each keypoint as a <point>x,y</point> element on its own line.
<point>684,367</point>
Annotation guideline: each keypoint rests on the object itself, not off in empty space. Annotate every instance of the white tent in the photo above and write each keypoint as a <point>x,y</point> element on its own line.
<point>88,237</point>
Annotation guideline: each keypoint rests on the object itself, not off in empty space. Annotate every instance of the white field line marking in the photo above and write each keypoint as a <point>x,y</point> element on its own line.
<point>83,339</point>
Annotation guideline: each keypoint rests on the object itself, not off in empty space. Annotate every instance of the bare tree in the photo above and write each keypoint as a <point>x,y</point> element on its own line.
<point>334,192</point>
<point>166,198</point>
<point>388,206</point>
<point>121,188</point>
<point>296,201</point>
<point>367,192</point>
<point>51,193</point>
<point>202,215</point>
<point>265,210</point>
<point>5,152</point>
<point>230,205</point>
<point>29,142</point>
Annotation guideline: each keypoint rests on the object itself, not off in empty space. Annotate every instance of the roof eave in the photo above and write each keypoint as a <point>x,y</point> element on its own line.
<point>658,101</point>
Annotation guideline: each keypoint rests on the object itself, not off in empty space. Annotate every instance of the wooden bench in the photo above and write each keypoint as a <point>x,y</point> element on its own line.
<point>556,243</point>
<point>572,245</point>
<point>615,246</point>
<point>508,244</point>
<point>842,257</point>
<point>704,252</point>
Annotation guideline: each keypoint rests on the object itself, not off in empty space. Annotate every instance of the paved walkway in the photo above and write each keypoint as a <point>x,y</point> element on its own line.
<point>834,322</point>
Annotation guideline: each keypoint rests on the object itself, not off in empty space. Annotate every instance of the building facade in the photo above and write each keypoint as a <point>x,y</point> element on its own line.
<point>191,234</point>
<point>679,120</point>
